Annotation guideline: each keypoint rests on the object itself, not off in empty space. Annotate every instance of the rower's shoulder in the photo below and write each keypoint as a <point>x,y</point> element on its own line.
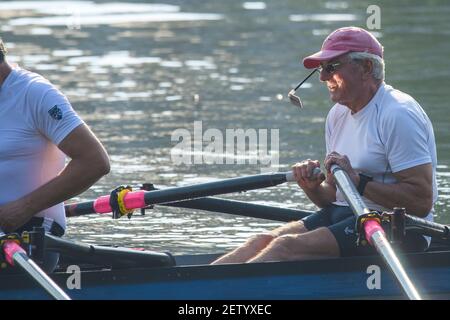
<point>397,105</point>
<point>35,86</point>
<point>28,84</point>
<point>398,100</point>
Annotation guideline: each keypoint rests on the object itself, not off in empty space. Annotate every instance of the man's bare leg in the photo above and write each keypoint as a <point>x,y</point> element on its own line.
<point>318,243</point>
<point>257,243</point>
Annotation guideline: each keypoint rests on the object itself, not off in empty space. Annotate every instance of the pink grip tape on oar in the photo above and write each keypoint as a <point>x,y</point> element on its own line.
<point>11,248</point>
<point>370,227</point>
<point>133,200</point>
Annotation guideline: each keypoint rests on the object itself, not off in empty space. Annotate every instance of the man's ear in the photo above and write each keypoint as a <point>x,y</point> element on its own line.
<point>367,67</point>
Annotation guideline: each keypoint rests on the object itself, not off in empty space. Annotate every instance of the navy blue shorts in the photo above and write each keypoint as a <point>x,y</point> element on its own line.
<point>341,222</point>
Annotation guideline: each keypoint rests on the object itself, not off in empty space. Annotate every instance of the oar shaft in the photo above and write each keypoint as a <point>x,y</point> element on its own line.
<point>349,191</point>
<point>242,208</point>
<point>385,250</point>
<point>215,187</point>
<point>16,255</point>
<point>140,199</point>
<point>374,232</point>
<point>32,268</point>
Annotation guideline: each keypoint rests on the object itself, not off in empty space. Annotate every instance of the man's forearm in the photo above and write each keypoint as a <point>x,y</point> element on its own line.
<point>73,180</point>
<point>417,200</point>
<point>322,196</point>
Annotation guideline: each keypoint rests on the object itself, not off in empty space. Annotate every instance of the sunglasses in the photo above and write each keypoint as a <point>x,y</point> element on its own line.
<point>295,100</point>
<point>330,67</point>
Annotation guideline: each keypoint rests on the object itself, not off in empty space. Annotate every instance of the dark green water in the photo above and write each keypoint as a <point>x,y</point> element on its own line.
<point>135,79</point>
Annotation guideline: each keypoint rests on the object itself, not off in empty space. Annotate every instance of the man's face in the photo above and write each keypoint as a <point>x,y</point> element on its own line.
<point>344,79</point>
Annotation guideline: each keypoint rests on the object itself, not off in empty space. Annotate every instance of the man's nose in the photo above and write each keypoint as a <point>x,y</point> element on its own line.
<point>324,76</point>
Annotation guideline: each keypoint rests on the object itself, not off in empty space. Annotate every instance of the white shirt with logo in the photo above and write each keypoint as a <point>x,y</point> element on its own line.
<point>34,118</point>
<point>390,134</point>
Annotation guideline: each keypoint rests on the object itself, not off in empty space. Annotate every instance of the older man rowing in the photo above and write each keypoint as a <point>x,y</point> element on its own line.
<point>379,135</point>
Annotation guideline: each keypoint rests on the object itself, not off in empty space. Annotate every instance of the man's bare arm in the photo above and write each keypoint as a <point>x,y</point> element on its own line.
<point>89,162</point>
<point>413,191</point>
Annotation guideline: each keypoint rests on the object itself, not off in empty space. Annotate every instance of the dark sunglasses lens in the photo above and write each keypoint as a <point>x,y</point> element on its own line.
<point>329,68</point>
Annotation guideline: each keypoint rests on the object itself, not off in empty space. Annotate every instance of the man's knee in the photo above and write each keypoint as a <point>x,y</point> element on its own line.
<point>287,243</point>
<point>260,240</point>
<point>293,227</point>
<point>317,242</point>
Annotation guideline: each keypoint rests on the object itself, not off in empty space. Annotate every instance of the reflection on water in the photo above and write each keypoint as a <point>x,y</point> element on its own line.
<point>114,19</point>
<point>254,5</point>
<point>138,71</point>
<point>323,17</point>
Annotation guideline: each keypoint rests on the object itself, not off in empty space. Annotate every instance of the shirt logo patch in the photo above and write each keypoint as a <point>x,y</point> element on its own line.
<point>55,113</point>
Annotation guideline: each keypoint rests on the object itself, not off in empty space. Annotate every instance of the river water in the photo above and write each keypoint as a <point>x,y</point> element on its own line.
<point>137,72</point>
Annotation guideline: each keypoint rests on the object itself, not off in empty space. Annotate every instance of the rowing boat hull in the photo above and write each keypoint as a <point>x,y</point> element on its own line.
<point>192,278</point>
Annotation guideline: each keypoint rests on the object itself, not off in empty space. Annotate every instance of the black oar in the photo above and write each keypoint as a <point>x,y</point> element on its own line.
<point>14,253</point>
<point>374,232</point>
<point>242,208</point>
<point>141,199</point>
<point>235,207</point>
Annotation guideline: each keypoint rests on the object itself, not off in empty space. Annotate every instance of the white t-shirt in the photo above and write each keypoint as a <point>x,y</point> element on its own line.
<point>34,118</point>
<point>390,134</point>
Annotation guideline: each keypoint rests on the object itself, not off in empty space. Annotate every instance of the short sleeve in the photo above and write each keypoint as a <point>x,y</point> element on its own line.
<point>53,114</point>
<point>406,138</point>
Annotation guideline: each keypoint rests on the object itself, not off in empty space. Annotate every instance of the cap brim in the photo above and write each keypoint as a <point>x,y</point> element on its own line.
<point>314,60</point>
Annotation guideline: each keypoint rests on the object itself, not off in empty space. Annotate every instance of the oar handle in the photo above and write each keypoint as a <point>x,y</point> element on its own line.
<point>290,175</point>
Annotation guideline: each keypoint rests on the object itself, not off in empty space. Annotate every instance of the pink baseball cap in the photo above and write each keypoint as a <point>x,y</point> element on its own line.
<point>344,40</point>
